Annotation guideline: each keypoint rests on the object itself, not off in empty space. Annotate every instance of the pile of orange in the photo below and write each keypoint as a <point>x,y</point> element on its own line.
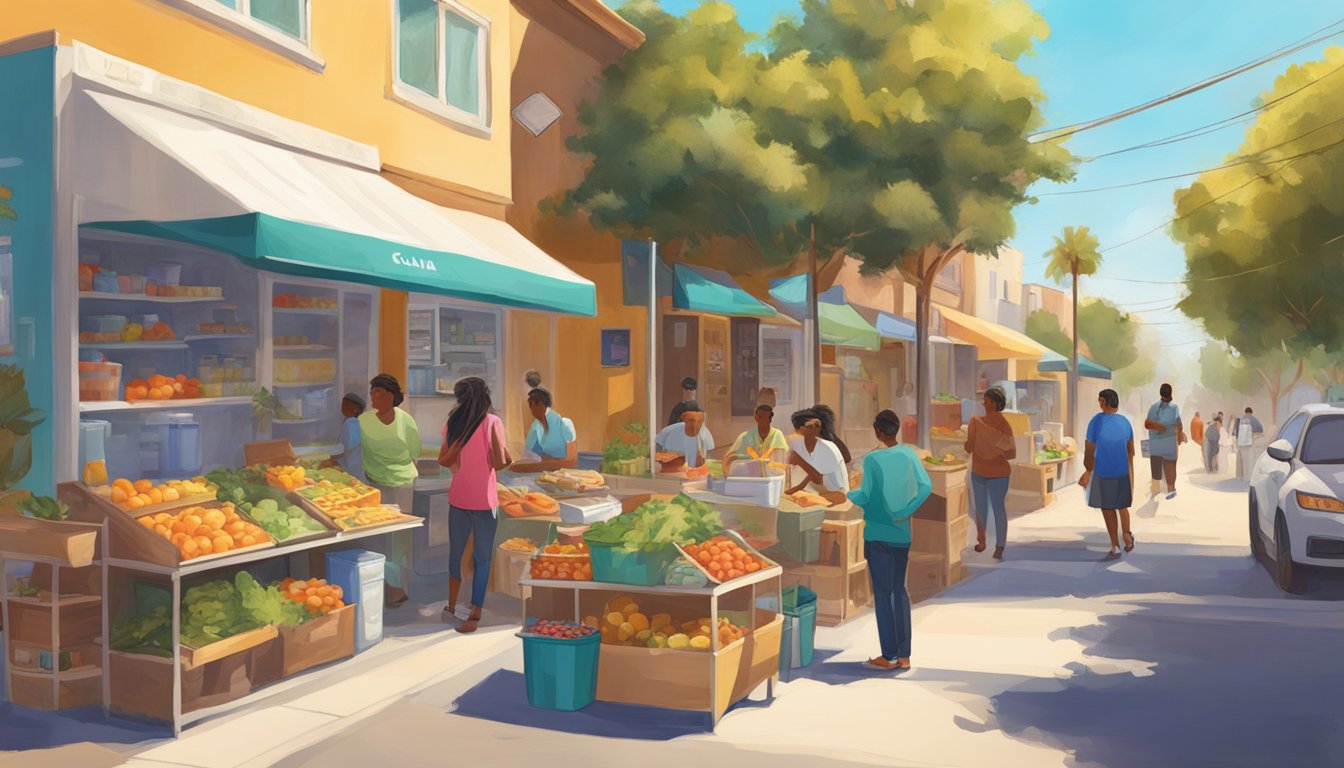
<point>287,477</point>
<point>724,558</point>
<point>563,562</point>
<point>159,387</point>
<point>320,597</point>
<point>197,531</point>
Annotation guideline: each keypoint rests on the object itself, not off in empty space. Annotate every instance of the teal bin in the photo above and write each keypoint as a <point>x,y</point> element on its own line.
<point>645,569</point>
<point>560,674</point>
<point>800,534</point>
<point>799,639</point>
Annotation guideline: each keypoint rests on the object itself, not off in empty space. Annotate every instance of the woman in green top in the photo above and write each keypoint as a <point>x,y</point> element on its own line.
<point>391,441</point>
<point>895,484</point>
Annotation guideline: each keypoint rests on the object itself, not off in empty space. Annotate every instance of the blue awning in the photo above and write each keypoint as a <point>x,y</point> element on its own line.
<point>1054,363</point>
<point>895,328</point>
<point>789,295</point>
<point>701,289</point>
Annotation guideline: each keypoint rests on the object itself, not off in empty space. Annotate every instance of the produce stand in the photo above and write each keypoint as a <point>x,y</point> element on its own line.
<point>1033,485</point>
<point>940,528</point>
<point>193,684</point>
<point>702,681</point>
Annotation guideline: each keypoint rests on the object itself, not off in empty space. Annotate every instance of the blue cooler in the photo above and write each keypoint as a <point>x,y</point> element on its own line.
<point>359,574</point>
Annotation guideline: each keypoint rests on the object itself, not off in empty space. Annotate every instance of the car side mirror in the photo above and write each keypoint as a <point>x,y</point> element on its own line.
<point>1280,450</point>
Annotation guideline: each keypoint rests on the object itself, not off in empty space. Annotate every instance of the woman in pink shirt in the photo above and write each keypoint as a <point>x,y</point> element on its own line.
<point>473,448</point>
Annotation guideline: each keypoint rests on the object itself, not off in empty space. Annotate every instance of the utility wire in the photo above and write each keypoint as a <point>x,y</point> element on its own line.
<point>1243,160</point>
<point>1069,130</point>
<point>1205,130</point>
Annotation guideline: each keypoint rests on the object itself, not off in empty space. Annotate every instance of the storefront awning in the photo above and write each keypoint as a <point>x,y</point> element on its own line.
<point>789,295</point>
<point>895,328</point>
<point>1052,362</point>
<point>298,214</point>
<point>700,289</point>
<point>842,326</point>
<point>992,341</point>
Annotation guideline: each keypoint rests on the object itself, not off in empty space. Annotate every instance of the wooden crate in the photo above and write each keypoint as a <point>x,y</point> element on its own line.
<point>841,543</point>
<point>81,621</point>
<point>73,543</point>
<point>947,540</point>
<point>944,508</point>
<point>507,568</point>
<point>83,688</point>
<point>945,479</point>
<point>317,642</point>
<point>842,593</point>
<point>1034,478</point>
<point>243,641</point>
<point>924,573</point>
<point>947,415</point>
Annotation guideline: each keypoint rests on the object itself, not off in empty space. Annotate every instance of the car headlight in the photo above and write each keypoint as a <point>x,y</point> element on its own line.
<point>1319,503</point>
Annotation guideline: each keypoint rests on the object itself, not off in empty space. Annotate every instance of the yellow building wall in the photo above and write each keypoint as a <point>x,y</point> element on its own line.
<point>351,97</point>
<point>561,55</point>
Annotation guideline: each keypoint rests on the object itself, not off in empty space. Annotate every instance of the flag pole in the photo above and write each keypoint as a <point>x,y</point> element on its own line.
<point>653,356</point>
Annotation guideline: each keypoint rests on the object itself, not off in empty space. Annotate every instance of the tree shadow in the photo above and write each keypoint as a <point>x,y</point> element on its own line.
<point>1224,690</point>
<point>22,728</point>
<point>502,698</point>
<point>1222,484</point>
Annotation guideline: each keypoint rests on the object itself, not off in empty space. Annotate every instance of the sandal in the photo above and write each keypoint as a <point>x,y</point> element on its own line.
<point>883,664</point>
<point>998,553</point>
<point>980,541</point>
<point>1129,541</point>
<point>472,622</point>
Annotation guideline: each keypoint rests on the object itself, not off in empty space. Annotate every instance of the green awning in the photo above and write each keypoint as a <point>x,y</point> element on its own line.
<point>306,215</point>
<point>699,289</point>
<point>1055,363</point>
<point>843,326</point>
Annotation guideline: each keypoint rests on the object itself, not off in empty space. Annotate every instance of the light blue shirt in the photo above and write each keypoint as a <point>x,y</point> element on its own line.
<point>1163,444</point>
<point>352,449</point>
<point>554,440</point>
<point>894,486</point>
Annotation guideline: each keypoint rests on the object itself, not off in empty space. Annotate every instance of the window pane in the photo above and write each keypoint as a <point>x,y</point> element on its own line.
<point>230,3</point>
<point>284,15</point>
<point>460,42</point>
<point>1324,443</point>
<point>417,40</point>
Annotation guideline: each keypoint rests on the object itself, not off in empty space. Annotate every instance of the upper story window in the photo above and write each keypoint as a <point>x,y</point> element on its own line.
<point>441,59</point>
<point>950,278</point>
<point>281,26</point>
<point>288,16</point>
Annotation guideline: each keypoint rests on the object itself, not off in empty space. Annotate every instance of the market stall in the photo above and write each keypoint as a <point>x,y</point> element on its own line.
<point>197,610</point>
<point>940,529</point>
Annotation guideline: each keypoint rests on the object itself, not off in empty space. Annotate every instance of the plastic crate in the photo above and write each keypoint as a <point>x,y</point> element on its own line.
<point>765,491</point>
<point>590,460</point>
<point>644,569</point>
<point>560,674</point>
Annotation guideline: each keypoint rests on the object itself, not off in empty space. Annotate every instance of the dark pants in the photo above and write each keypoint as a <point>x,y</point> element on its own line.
<point>1162,465</point>
<point>479,526</point>
<point>886,567</point>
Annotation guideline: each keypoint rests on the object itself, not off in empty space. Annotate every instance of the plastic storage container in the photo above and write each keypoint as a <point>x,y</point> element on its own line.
<point>800,533</point>
<point>154,445</point>
<point>165,273</point>
<point>643,569</point>
<point>99,381</point>
<point>184,446</point>
<point>590,460</point>
<point>799,640</point>
<point>765,491</point>
<point>586,511</point>
<point>359,574</point>
<point>560,674</point>
<point>94,435</point>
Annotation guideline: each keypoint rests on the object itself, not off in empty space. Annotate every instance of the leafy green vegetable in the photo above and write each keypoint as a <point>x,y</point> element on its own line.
<point>631,443</point>
<point>268,605</point>
<point>220,609</point>
<point>44,507</point>
<point>151,634</point>
<point>655,525</point>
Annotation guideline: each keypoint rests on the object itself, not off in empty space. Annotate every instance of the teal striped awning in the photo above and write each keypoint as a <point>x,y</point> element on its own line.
<point>700,289</point>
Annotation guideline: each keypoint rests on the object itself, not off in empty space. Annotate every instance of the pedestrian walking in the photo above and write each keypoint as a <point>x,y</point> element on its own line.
<point>1212,437</point>
<point>390,442</point>
<point>1108,462</point>
<point>989,441</point>
<point>894,486</point>
<point>1197,430</point>
<point>474,449</point>
<point>1246,429</point>
<point>1165,433</point>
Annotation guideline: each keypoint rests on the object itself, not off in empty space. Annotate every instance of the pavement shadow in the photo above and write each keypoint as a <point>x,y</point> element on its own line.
<point>1215,696</point>
<point>823,670</point>
<point>502,698</point>
<point>1222,484</point>
<point>22,728</point>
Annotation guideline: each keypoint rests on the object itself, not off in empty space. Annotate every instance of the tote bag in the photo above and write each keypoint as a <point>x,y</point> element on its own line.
<point>1244,436</point>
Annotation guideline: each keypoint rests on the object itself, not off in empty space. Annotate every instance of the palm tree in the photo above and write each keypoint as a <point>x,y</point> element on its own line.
<point>1075,253</point>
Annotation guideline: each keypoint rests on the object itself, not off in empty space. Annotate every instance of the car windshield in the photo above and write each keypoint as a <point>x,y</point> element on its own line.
<point>1324,443</point>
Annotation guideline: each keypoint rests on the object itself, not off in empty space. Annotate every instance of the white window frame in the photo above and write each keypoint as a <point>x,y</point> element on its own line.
<point>240,22</point>
<point>438,105</point>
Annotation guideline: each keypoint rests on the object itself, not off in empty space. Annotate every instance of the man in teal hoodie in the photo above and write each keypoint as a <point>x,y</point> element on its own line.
<point>895,484</point>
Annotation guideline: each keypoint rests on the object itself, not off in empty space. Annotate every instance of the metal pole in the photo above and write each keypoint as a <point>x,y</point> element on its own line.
<point>653,355</point>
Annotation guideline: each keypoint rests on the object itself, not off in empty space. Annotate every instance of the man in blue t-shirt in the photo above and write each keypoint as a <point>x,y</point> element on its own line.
<point>1165,432</point>
<point>1108,460</point>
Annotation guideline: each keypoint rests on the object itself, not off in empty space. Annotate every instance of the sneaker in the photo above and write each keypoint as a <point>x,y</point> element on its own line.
<point>1171,496</point>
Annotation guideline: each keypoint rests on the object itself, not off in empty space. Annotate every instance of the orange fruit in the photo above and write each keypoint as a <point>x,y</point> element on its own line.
<point>155,496</point>
<point>189,548</point>
<point>248,541</point>
<point>205,544</point>
<point>146,521</point>
<point>203,530</point>
<point>143,486</point>
<point>314,602</point>
<point>213,518</point>
<point>222,543</point>
<point>192,521</point>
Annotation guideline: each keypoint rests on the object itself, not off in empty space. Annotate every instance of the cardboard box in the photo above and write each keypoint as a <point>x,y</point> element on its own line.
<point>947,540</point>
<point>925,573</point>
<point>507,568</point>
<point>841,543</point>
<point>842,593</point>
<point>944,508</point>
<point>321,640</point>
<point>945,480</point>
<point>269,452</point>
<point>74,543</point>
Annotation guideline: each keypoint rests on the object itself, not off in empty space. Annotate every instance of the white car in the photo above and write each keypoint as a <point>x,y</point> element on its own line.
<point>1297,496</point>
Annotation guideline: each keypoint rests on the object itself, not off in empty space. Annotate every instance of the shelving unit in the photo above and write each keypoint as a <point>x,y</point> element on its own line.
<point>144,297</point>
<point>169,346</point>
<point>200,337</point>
<point>103,406</point>
<point>298,311</point>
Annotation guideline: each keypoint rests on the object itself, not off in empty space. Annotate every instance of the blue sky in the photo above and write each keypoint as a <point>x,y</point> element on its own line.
<point>1106,55</point>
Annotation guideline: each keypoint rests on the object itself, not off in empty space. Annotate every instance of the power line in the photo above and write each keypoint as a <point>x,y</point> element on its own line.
<point>1069,130</point>
<point>1199,280</point>
<point>1205,130</point>
<point>1244,160</point>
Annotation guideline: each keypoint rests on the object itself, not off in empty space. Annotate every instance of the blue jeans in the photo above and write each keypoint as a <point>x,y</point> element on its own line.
<point>991,491</point>
<point>480,527</point>
<point>886,567</point>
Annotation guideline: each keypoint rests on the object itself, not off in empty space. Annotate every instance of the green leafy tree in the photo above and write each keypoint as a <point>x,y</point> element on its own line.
<point>1111,335</point>
<point>1044,328</point>
<point>1276,373</point>
<point>1074,254</point>
<point>1263,240</point>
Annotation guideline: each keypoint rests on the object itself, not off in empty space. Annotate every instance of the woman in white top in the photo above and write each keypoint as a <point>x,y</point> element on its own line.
<point>690,437</point>
<point>821,461</point>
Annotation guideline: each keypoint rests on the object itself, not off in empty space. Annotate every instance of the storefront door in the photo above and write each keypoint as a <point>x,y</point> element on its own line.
<point>681,358</point>
<point>746,365</point>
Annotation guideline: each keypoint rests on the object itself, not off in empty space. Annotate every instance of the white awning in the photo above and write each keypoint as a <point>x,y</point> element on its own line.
<point>149,170</point>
